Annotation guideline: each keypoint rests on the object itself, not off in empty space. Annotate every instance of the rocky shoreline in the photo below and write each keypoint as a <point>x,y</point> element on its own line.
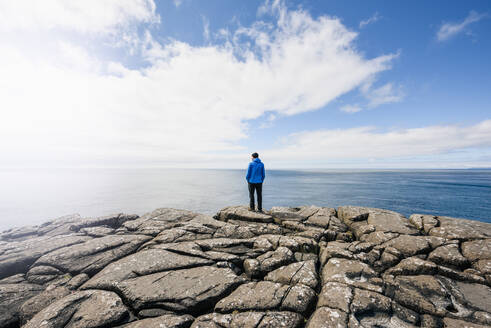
<point>290,267</point>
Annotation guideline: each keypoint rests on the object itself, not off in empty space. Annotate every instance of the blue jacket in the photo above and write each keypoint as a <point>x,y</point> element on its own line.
<point>255,172</point>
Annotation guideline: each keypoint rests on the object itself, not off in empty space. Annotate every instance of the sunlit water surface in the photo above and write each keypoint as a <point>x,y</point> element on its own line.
<point>32,196</point>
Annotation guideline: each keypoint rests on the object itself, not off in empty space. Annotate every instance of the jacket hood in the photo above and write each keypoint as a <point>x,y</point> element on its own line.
<point>257,160</point>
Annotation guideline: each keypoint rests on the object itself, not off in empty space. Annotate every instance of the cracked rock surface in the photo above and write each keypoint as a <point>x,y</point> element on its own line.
<point>306,266</point>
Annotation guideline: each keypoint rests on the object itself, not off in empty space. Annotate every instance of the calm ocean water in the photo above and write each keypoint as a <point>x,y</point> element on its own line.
<point>33,196</point>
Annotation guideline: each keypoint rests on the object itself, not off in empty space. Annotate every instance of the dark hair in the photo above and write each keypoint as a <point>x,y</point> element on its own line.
<point>255,155</point>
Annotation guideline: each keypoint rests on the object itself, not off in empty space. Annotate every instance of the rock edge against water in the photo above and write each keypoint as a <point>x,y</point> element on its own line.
<point>290,267</point>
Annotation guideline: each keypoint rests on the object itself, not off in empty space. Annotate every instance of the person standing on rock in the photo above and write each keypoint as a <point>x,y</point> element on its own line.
<point>255,177</point>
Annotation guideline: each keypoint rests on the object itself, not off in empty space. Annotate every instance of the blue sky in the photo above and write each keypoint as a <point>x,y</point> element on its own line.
<point>307,84</point>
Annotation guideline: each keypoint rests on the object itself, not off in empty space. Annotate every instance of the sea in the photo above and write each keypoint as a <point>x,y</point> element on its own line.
<point>32,196</point>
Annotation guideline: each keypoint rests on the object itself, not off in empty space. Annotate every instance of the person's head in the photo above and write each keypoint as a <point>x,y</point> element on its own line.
<point>254,155</point>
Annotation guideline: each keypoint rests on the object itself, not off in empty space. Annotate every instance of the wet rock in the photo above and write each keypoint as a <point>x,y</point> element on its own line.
<point>87,309</point>
<point>297,273</point>
<point>165,321</point>
<point>93,255</point>
<point>242,213</point>
<point>12,296</point>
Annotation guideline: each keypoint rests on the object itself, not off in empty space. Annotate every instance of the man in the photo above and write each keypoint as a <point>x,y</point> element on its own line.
<point>255,177</point>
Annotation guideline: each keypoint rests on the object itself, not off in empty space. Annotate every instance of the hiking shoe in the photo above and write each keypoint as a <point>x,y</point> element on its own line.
<point>259,211</point>
<point>251,209</point>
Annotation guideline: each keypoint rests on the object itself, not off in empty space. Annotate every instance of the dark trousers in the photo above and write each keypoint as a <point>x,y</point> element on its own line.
<point>258,187</point>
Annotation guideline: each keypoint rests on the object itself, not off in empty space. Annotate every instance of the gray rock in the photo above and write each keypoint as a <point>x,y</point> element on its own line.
<point>455,323</point>
<point>477,249</point>
<point>17,257</point>
<point>353,273</point>
<point>140,264</point>
<point>413,266</point>
<point>382,220</point>
<point>335,295</point>
<point>325,317</point>
<point>452,228</point>
<point>271,319</point>
<point>297,273</point>
<point>448,255</point>
<point>267,262</point>
<point>87,309</point>
<point>409,245</point>
<point>242,213</point>
<point>97,231</point>
<point>35,304</point>
<point>42,274</point>
<point>11,298</point>
<point>161,219</point>
<point>265,295</point>
<point>165,321</point>
<point>195,289</point>
<point>93,255</point>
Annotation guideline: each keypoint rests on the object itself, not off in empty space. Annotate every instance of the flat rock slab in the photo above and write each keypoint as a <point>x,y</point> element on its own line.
<point>161,219</point>
<point>187,290</point>
<point>165,321</point>
<point>140,264</point>
<point>251,319</point>
<point>265,295</point>
<point>242,213</point>
<point>381,220</point>
<point>16,257</point>
<point>86,309</point>
<point>452,228</point>
<point>93,255</point>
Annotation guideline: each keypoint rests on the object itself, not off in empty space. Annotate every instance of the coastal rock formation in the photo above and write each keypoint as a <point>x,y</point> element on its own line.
<point>289,267</point>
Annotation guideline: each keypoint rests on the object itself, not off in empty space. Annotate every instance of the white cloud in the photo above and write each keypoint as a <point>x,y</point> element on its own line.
<point>177,3</point>
<point>92,16</point>
<point>187,105</point>
<point>448,30</point>
<point>367,144</point>
<point>351,108</point>
<point>385,94</point>
<point>375,17</point>
<point>206,28</point>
